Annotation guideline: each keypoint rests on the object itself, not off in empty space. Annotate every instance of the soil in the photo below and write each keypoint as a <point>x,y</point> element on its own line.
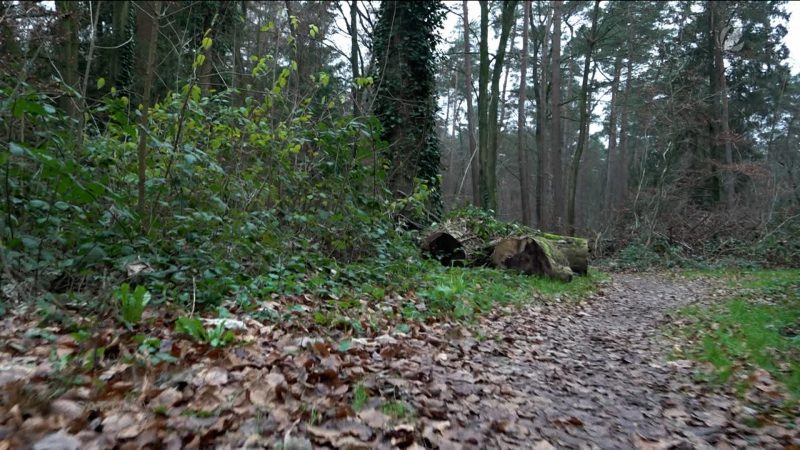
<point>590,375</point>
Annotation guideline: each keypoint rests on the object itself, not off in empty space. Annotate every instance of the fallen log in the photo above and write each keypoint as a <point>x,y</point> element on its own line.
<point>466,241</point>
<point>531,255</point>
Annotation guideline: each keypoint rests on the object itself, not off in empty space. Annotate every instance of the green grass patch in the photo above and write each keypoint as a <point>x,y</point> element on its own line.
<point>397,409</point>
<point>464,293</point>
<point>759,326</point>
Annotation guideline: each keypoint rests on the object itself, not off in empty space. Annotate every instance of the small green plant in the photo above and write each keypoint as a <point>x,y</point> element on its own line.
<point>132,305</point>
<point>360,397</point>
<point>216,337</point>
<point>397,409</point>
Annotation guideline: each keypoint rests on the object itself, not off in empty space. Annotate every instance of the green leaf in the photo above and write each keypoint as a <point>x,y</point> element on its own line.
<point>199,60</point>
<point>207,43</point>
<point>22,106</point>
<point>18,150</point>
<point>324,78</point>
<point>40,204</point>
<point>345,345</point>
<point>101,82</point>
<point>192,327</point>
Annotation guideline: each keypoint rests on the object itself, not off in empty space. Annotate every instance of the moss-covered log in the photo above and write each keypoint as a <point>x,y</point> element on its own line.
<point>466,241</point>
<point>531,255</point>
<point>574,249</point>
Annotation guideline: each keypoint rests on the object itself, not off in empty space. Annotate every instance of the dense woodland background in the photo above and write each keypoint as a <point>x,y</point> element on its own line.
<point>213,141</point>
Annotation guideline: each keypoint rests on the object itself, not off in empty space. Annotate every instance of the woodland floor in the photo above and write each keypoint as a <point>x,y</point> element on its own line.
<point>559,374</point>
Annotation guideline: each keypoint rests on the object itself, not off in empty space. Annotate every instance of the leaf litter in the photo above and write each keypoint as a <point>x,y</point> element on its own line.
<point>553,374</point>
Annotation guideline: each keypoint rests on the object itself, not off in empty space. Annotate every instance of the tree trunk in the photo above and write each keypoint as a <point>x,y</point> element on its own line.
<point>147,29</point>
<point>555,135</point>
<point>69,23</point>
<point>612,157</point>
<point>489,165</point>
<point>120,11</point>
<point>623,160</point>
<point>544,174</point>
<point>354,54</point>
<point>584,122</point>
<point>522,151</point>
<point>719,31</point>
<point>462,241</point>
<point>483,107</point>
<point>472,161</point>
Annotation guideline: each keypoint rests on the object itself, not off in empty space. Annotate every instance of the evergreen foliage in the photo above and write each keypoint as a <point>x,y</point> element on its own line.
<point>405,40</point>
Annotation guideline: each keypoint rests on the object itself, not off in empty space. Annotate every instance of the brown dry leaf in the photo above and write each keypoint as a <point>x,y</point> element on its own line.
<point>543,445</point>
<point>167,398</point>
<point>206,399</point>
<point>124,425</point>
<point>374,418</point>
<point>649,444</point>
<point>58,441</point>
<point>215,376</point>
<point>67,408</point>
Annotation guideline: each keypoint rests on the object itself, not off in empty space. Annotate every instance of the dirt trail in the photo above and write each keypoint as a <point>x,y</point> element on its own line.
<point>593,375</point>
<point>555,374</point>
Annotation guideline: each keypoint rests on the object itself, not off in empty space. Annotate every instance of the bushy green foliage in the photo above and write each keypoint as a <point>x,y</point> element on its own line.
<point>232,192</point>
<point>486,225</point>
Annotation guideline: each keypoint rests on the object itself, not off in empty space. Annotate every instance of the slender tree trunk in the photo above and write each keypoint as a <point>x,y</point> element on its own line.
<point>504,93</point>
<point>719,33</point>
<point>94,16</point>
<point>120,11</point>
<point>483,108</point>
<point>522,151</point>
<point>489,165</point>
<point>544,174</point>
<point>69,23</point>
<point>555,107</point>
<point>574,166</point>
<point>354,54</point>
<point>624,158</point>
<point>147,28</point>
<point>472,160</point>
<point>612,157</point>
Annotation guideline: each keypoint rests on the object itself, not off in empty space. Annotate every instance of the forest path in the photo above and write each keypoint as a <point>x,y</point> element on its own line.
<point>588,375</point>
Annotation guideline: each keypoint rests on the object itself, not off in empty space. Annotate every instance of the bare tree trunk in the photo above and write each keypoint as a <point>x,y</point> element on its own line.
<point>147,28</point>
<point>354,54</point>
<point>472,161</point>
<point>719,30</point>
<point>489,162</point>
<point>584,123</point>
<point>483,108</point>
<point>544,175</point>
<point>69,23</point>
<point>522,151</point>
<point>94,16</point>
<point>612,157</point>
<point>121,9</point>
<point>504,94</point>
<point>624,159</point>
<point>555,135</point>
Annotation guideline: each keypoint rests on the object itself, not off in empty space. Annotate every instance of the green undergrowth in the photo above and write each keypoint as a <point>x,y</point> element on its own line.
<point>463,293</point>
<point>758,326</point>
